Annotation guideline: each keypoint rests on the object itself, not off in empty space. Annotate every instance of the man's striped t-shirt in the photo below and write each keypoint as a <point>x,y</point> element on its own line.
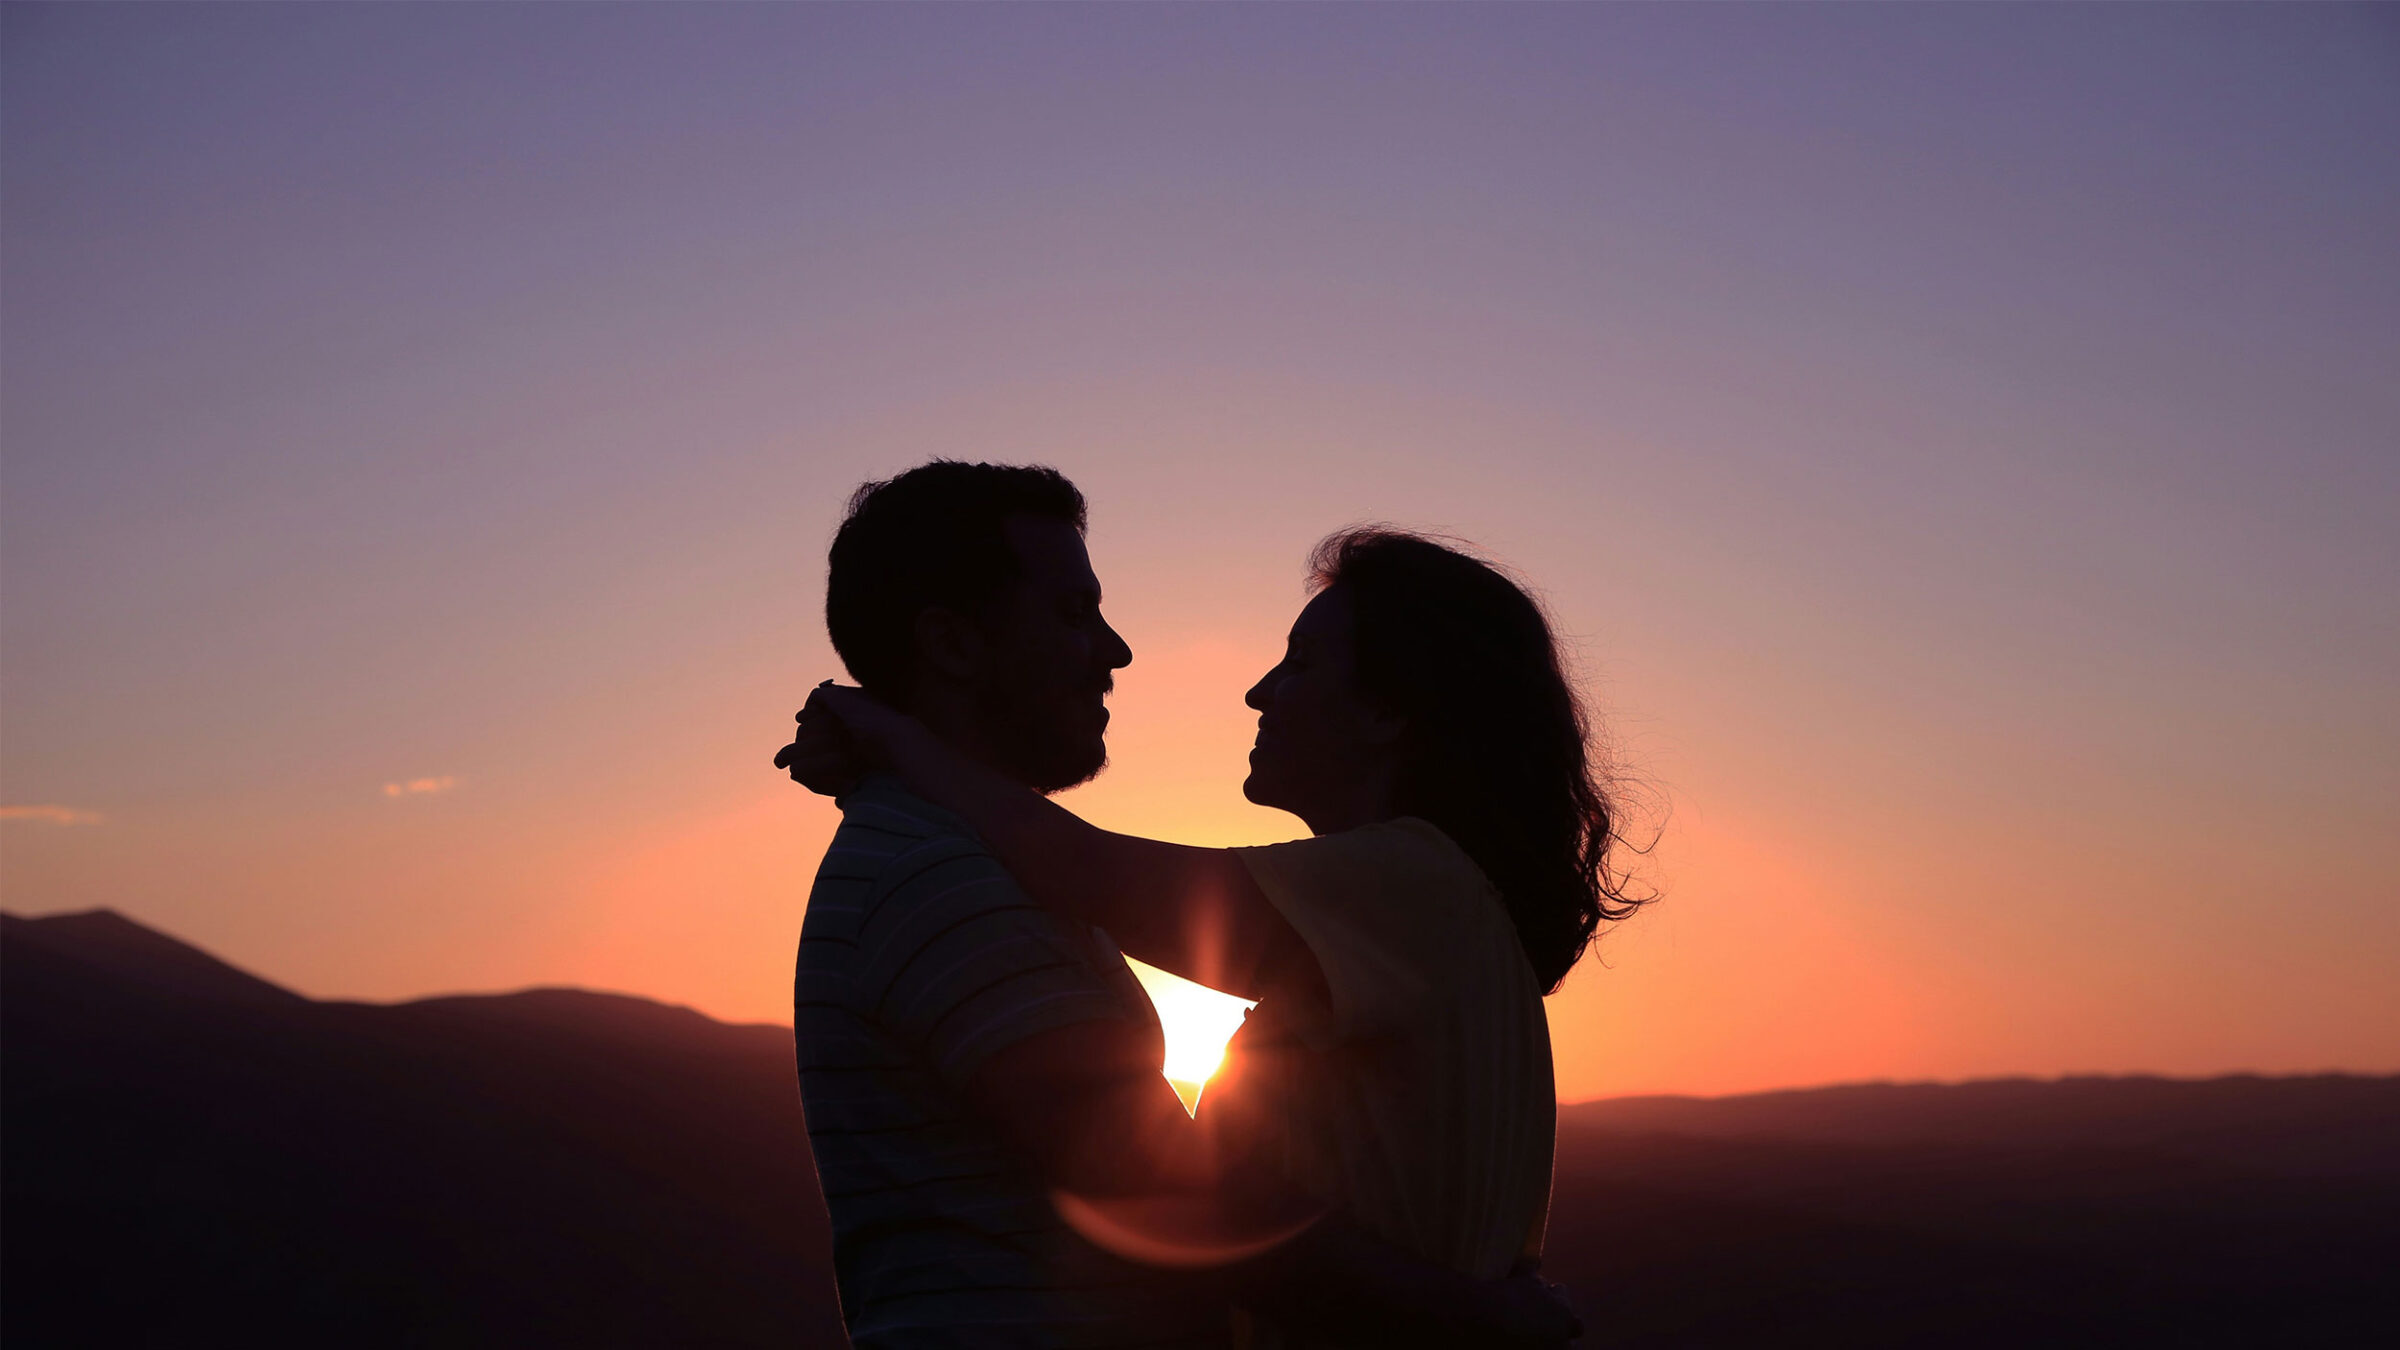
<point>920,959</point>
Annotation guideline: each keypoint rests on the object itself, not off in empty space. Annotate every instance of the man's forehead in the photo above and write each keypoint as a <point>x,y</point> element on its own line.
<point>1052,553</point>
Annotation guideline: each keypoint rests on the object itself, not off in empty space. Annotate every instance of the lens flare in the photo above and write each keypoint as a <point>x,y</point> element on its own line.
<point>1198,1022</point>
<point>1177,1232</point>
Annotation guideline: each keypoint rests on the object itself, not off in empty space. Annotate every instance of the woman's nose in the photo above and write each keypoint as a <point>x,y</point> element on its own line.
<point>1261,693</point>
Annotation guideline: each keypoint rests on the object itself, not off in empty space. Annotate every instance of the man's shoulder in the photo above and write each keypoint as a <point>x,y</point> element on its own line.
<point>889,833</point>
<point>937,944</point>
<point>899,856</point>
<point>882,806</point>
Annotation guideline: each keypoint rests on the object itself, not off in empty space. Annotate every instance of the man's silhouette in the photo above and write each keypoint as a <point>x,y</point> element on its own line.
<point>962,1050</point>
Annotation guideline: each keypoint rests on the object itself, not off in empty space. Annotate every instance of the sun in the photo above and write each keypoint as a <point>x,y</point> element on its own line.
<point>1198,1021</point>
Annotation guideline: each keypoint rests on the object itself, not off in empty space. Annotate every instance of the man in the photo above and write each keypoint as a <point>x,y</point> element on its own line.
<point>964,1053</point>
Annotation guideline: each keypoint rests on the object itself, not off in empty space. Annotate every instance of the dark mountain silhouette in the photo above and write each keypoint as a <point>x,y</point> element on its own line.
<point>196,1157</point>
<point>2335,1125</point>
<point>115,947</point>
<point>2238,1211</point>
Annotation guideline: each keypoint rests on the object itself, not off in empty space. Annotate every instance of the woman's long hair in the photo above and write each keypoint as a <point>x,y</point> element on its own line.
<point>1497,752</point>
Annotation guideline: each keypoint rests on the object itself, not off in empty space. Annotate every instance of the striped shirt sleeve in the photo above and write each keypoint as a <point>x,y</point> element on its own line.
<point>956,961</point>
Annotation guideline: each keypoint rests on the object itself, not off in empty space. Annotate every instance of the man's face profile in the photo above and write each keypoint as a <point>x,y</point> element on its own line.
<point>1052,660</point>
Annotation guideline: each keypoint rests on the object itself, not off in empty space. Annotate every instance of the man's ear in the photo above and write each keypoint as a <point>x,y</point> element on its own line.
<point>950,645</point>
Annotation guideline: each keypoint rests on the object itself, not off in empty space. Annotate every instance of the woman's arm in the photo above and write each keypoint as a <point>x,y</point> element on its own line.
<point>1195,911</point>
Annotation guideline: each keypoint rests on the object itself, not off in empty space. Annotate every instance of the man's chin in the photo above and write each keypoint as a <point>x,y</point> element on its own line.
<point>1063,771</point>
<point>1260,790</point>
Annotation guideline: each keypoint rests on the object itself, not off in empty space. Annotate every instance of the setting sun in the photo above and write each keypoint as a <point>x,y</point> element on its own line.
<point>1198,1022</point>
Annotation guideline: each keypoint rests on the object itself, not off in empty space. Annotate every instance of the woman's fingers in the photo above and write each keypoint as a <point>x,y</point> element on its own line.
<point>856,711</point>
<point>1540,1313</point>
<point>824,756</point>
<point>849,705</point>
<point>825,777</point>
<point>821,762</point>
<point>847,702</point>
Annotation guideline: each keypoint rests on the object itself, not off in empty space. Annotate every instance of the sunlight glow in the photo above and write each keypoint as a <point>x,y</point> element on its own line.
<point>1198,1021</point>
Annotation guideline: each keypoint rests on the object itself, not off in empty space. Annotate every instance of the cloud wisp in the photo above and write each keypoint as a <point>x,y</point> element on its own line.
<point>48,814</point>
<point>420,787</point>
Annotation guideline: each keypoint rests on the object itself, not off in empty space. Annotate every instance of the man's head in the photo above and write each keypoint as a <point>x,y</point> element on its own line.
<point>962,593</point>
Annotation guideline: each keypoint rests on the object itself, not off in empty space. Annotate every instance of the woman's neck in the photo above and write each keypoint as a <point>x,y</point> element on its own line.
<point>1368,802</point>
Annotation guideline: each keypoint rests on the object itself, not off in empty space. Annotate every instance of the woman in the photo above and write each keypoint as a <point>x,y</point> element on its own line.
<point>1398,1060</point>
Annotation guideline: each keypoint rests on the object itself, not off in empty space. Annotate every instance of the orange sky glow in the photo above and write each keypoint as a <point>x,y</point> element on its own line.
<point>1957,445</point>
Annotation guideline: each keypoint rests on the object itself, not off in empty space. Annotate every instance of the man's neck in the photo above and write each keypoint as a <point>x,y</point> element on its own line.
<point>951,715</point>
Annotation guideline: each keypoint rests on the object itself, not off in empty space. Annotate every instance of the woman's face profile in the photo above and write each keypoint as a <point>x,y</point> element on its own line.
<point>1321,749</point>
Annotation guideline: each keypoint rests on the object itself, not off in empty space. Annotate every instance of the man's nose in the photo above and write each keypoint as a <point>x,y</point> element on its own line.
<point>1119,654</point>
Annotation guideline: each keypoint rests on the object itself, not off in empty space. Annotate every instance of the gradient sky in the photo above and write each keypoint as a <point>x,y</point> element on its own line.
<point>1963,444</point>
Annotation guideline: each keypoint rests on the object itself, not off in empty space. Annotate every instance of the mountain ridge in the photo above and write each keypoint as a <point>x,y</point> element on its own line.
<point>1830,1111</point>
<point>190,1159</point>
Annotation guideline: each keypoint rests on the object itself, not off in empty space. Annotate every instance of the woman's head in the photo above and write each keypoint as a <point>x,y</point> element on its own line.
<point>1423,682</point>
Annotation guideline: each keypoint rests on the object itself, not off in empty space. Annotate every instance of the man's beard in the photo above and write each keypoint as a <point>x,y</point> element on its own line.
<point>1045,743</point>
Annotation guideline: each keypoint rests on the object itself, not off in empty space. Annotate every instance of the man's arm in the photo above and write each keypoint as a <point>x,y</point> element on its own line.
<point>1087,1105</point>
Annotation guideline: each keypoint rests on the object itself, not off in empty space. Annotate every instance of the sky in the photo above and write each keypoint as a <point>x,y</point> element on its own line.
<point>1960,444</point>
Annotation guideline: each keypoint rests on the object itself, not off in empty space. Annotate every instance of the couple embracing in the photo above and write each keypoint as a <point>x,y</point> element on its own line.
<point>1004,1163</point>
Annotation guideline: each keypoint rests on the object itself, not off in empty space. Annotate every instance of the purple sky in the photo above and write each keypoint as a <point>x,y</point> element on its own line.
<point>1964,442</point>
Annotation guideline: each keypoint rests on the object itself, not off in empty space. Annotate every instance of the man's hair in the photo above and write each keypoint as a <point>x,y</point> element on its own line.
<point>933,536</point>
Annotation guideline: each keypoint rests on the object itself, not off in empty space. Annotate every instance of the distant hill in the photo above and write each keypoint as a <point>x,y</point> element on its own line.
<point>194,1156</point>
<point>2238,1211</point>
<point>2332,1125</point>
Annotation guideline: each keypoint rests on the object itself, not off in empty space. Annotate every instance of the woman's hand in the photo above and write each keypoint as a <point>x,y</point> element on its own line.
<point>874,726</point>
<point>1532,1312</point>
<point>843,735</point>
